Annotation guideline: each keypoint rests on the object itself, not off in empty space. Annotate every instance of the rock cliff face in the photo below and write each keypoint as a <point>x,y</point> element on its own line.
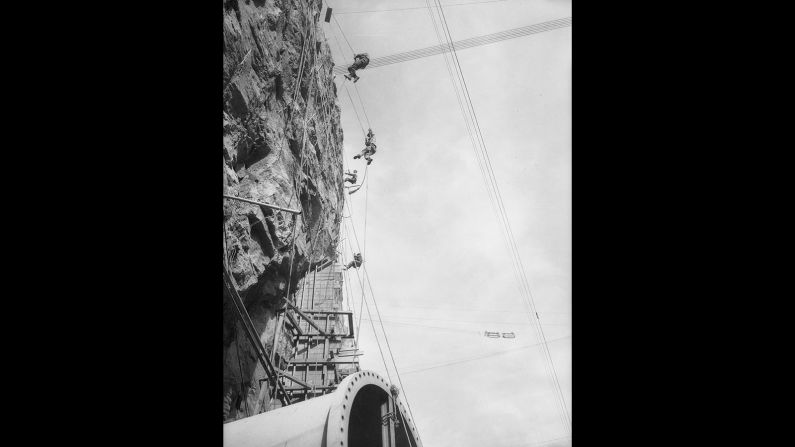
<point>282,146</point>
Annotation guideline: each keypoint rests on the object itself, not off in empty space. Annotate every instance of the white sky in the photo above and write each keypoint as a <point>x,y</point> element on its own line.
<point>440,270</point>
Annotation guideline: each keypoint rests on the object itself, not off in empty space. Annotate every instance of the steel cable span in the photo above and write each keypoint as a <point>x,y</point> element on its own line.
<point>463,44</point>
<point>484,163</point>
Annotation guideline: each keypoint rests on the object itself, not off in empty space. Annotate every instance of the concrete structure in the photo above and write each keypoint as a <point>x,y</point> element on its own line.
<point>323,355</point>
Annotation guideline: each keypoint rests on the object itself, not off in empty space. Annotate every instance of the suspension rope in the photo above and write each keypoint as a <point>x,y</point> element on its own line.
<point>375,304</point>
<point>365,305</point>
<point>347,92</point>
<point>386,338</point>
<point>375,334</point>
<point>364,236</point>
<point>356,238</point>
<point>361,287</point>
<point>364,110</point>
<point>343,35</point>
<point>356,89</point>
<point>363,254</point>
<point>372,324</point>
<point>354,109</point>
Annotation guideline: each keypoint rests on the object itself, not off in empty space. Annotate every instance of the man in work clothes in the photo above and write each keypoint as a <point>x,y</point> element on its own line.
<point>357,261</point>
<point>352,178</point>
<point>369,147</point>
<point>366,153</point>
<point>359,62</point>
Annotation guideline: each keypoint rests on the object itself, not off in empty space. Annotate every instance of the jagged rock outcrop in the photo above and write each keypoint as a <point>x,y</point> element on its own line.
<point>283,146</point>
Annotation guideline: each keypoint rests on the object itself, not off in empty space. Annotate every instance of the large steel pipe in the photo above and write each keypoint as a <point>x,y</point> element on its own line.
<point>351,416</point>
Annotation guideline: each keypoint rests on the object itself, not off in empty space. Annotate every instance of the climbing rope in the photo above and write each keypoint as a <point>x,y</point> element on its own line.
<point>364,110</point>
<point>364,254</point>
<point>353,105</point>
<point>354,109</point>
<point>372,321</point>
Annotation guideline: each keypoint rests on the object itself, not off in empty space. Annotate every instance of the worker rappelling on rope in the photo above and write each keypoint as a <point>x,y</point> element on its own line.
<point>357,261</point>
<point>359,62</point>
<point>352,177</point>
<point>369,147</point>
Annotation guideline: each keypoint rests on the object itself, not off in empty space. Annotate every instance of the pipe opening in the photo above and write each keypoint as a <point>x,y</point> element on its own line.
<point>370,424</point>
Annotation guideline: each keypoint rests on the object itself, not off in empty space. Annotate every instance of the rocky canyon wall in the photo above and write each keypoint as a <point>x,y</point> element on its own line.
<point>282,145</point>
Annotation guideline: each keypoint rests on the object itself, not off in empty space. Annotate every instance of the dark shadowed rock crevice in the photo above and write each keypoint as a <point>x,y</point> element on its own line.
<point>283,147</point>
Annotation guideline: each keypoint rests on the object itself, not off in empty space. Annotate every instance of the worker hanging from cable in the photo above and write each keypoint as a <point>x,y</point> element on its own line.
<point>369,147</point>
<point>359,62</point>
<point>352,178</point>
<point>370,138</point>
<point>357,261</point>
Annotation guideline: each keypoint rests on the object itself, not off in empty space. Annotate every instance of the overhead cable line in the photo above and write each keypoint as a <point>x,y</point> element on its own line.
<point>512,240</point>
<point>510,323</point>
<point>459,330</point>
<point>462,44</point>
<point>484,163</point>
<point>479,357</point>
<point>465,309</point>
<point>512,243</point>
<point>478,41</point>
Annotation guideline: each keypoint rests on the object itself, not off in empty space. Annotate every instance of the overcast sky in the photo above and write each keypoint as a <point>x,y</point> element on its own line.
<point>440,270</point>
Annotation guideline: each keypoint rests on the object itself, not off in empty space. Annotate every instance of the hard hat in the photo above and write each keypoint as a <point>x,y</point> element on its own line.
<point>355,170</point>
